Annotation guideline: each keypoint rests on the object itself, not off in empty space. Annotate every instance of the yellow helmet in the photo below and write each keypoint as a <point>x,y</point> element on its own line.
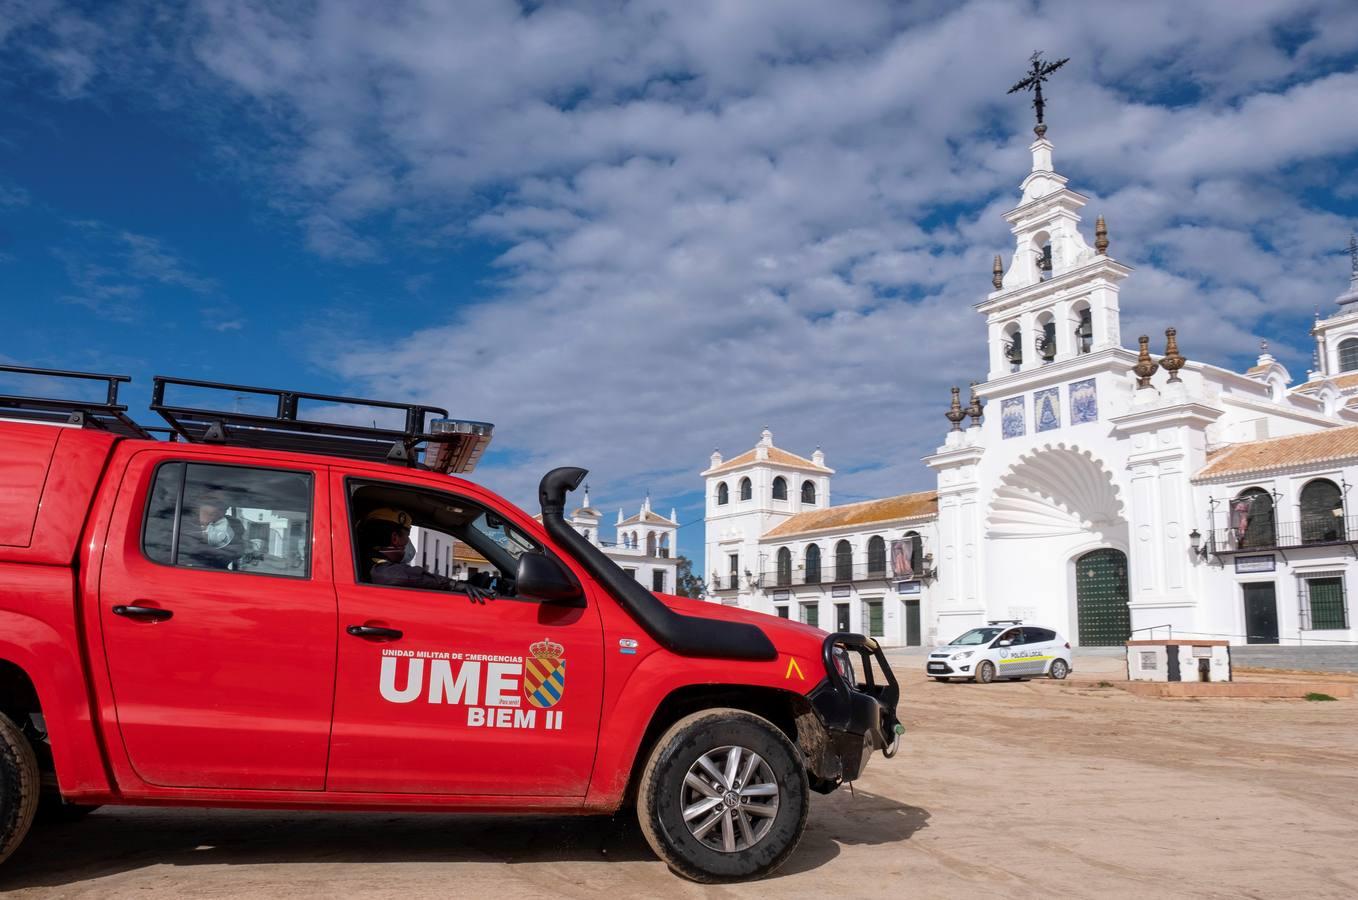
<point>387,514</point>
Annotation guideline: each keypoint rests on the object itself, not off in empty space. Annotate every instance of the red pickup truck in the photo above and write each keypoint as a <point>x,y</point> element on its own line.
<point>147,659</point>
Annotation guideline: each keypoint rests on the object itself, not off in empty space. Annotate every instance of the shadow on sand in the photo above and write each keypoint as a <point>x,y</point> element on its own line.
<point>117,840</point>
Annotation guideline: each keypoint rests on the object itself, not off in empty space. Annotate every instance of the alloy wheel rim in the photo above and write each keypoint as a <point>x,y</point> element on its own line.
<point>729,799</point>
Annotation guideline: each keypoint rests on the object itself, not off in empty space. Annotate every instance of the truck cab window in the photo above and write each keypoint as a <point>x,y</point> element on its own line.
<point>229,518</point>
<point>464,530</point>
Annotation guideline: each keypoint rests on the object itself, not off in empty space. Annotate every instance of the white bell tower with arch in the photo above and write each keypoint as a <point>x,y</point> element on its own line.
<point>1059,296</point>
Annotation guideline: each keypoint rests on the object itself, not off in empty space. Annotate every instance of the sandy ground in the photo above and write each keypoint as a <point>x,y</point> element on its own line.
<point>1010,790</point>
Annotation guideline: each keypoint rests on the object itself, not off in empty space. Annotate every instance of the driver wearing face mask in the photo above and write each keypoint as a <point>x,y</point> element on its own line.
<point>384,537</point>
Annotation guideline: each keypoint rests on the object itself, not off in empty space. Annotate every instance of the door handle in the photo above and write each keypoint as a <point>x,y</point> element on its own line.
<point>149,613</point>
<point>372,631</point>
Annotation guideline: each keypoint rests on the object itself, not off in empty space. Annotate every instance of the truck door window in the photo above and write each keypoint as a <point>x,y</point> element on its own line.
<point>229,518</point>
<point>484,546</point>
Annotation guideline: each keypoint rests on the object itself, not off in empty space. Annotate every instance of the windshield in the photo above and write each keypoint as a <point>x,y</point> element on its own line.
<point>976,636</point>
<point>505,536</point>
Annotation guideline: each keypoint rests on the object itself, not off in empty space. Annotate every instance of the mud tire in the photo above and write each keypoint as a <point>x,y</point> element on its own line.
<point>985,672</point>
<point>660,812</point>
<point>1059,669</point>
<point>20,785</point>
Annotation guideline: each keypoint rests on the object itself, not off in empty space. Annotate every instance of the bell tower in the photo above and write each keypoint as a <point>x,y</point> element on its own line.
<point>1058,298</point>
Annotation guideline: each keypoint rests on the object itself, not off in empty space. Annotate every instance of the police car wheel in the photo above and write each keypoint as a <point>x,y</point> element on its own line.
<point>20,785</point>
<point>1059,670</point>
<point>985,672</point>
<point>724,797</point>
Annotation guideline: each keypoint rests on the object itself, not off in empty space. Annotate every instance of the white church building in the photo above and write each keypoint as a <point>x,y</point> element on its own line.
<point>644,544</point>
<point>1084,486</point>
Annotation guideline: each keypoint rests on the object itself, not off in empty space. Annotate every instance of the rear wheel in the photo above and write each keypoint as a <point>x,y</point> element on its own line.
<point>985,672</point>
<point>723,797</point>
<point>19,786</point>
<point>1060,669</point>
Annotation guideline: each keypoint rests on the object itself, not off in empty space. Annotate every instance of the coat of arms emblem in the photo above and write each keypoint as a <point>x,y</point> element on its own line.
<point>544,674</point>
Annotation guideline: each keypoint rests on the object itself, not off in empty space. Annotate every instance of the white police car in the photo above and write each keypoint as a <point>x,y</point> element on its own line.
<point>1001,649</point>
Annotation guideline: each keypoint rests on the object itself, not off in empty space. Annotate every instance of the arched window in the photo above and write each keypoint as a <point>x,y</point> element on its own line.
<point>1013,347</point>
<point>780,488</point>
<point>809,492</point>
<point>843,561</point>
<point>1044,256</point>
<point>876,555</point>
<point>723,494</point>
<point>1084,329</point>
<point>586,534</point>
<point>784,566</point>
<point>665,546</point>
<point>1046,340</point>
<point>1348,354</point>
<point>650,543</point>
<point>635,545</point>
<point>916,551</point>
<point>1252,519</point>
<point>746,489</point>
<point>1322,512</point>
<point>813,564</point>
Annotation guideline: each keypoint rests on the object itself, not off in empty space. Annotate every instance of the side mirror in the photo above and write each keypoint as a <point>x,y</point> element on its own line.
<point>541,577</point>
<point>1004,643</point>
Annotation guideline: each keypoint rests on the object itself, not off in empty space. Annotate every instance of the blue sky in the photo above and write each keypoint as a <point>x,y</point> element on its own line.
<point>629,232</point>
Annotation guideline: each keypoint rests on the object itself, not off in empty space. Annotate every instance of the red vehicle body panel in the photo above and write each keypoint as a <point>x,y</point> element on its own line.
<point>296,715</point>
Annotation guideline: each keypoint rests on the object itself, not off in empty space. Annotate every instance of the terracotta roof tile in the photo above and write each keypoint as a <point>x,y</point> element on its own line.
<point>1281,453</point>
<point>868,512</point>
<point>1344,382</point>
<point>777,456</point>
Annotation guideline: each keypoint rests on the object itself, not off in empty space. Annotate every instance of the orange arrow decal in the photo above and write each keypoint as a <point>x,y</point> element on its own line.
<point>793,667</point>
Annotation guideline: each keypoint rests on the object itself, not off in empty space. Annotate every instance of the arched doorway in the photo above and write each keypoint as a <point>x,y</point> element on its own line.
<point>1101,598</point>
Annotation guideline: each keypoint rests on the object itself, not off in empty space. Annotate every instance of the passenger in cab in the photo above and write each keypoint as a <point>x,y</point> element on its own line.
<point>220,539</point>
<point>384,540</point>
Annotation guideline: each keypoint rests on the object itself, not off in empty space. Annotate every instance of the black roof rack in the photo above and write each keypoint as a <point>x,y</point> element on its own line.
<point>110,415</point>
<point>455,445</point>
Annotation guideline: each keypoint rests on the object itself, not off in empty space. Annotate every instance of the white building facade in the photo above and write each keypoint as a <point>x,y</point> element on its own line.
<point>644,545</point>
<point>1086,487</point>
<point>776,544</point>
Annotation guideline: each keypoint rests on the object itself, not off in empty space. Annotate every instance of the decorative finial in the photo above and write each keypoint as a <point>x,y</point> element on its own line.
<point>1263,346</point>
<point>1145,366</point>
<point>975,408</point>
<point>997,273</point>
<point>1101,236</point>
<point>1036,75</point>
<point>1172,361</point>
<point>955,414</point>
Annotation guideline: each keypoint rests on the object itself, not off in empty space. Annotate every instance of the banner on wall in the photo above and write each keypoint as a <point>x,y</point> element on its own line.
<point>902,551</point>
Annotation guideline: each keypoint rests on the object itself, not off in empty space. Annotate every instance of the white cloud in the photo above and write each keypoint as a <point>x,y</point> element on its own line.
<point>110,270</point>
<point>716,216</point>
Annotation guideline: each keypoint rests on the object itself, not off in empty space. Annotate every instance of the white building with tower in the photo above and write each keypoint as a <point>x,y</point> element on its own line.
<point>1084,486</point>
<point>644,545</point>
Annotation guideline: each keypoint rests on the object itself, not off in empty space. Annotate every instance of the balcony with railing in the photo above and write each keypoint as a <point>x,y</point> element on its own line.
<point>827,574</point>
<point>1263,533</point>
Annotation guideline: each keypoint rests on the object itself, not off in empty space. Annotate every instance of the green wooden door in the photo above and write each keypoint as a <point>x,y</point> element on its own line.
<point>874,617</point>
<point>1101,598</point>
<point>912,637</point>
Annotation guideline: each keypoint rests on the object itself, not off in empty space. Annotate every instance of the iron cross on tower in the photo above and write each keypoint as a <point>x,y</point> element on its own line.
<point>1033,82</point>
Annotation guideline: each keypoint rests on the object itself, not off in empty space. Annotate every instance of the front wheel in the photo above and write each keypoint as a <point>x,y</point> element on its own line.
<point>723,797</point>
<point>985,672</point>
<point>1060,669</point>
<point>19,786</point>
